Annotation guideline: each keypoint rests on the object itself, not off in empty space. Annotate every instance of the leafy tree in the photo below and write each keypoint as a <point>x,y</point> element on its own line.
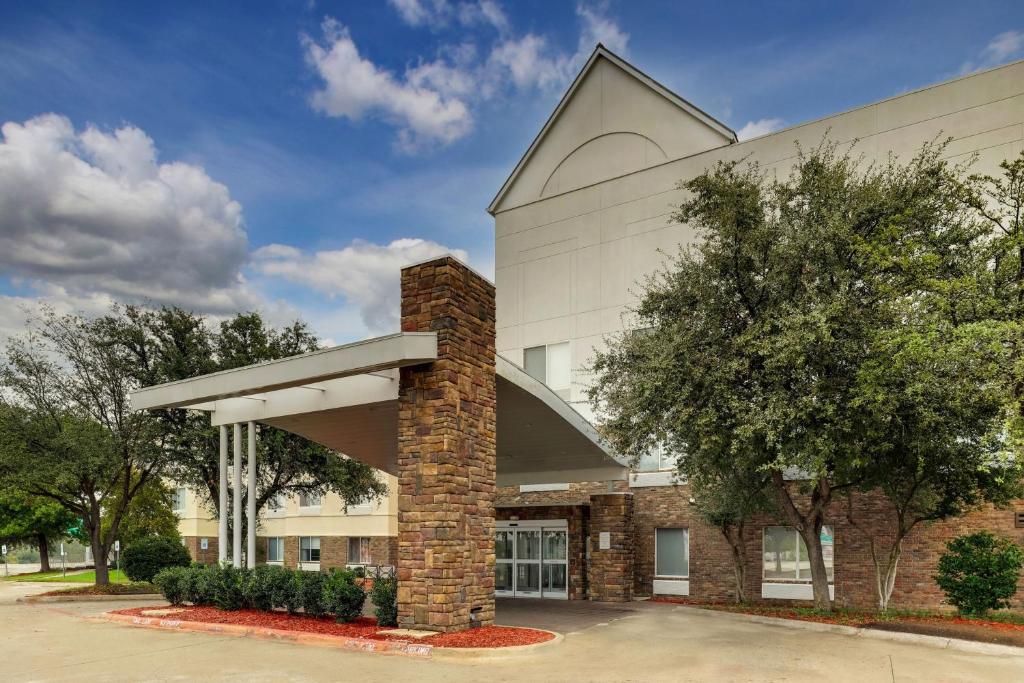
<point>149,515</point>
<point>68,433</point>
<point>805,336</point>
<point>172,344</point>
<point>24,519</point>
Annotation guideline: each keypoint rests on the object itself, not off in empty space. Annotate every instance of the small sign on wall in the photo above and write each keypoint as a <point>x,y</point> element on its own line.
<point>604,540</point>
<point>204,544</point>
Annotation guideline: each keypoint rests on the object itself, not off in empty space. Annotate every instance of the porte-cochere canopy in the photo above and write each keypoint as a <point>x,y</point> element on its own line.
<point>346,398</point>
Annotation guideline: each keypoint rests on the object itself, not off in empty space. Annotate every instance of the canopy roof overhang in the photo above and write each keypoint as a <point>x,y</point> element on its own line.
<point>346,398</point>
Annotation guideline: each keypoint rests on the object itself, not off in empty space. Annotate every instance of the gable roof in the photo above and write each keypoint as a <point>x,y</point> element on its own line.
<point>602,52</point>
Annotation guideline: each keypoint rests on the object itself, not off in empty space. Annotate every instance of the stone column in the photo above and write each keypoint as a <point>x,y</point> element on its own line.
<point>446,452</point>
<point>610,569</point>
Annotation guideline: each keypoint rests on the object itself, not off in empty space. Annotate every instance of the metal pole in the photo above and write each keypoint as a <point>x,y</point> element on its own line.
<point>236,483</point>
<point>222,528</point>
<point>250,508</point>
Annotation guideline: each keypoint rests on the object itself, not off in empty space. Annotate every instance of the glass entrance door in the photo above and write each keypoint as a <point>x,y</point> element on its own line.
<point>531,562</point>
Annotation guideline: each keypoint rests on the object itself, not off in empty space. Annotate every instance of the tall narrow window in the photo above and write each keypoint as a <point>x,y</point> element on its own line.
<point>309,500</point>
<point>275,549</point>
<point>359,550</point>
<point>309,549</point>
<point>178,499</point>
<point>672,553</point>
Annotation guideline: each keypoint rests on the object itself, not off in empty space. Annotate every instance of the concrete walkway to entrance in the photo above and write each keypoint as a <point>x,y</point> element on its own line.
<point>563,616</point>
<point>645,642</point>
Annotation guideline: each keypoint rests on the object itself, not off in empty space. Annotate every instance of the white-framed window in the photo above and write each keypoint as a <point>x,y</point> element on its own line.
<point>658,459</point>
<point>361,509</point>
<point>786,557</point>
<point>358,550</point>
<point>309,549</point>
<point>309,501</point>
<point>672,553</point>
<point>275,549</point>
<point>179,499</point>
<point>277,504</point>
<point>552,365</point>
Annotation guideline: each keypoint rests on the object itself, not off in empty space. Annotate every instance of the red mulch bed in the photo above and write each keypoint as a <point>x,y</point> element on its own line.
<point>363,627</point>
<point>946,626</point>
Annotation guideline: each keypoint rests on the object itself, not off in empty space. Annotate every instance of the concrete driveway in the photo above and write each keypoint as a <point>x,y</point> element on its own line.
<point>52,642</point>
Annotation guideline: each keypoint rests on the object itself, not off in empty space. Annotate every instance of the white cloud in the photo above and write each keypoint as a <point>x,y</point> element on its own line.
<point>94,213</point>
<point>354,86</point>
<point>1002,48</point>
<point>365,274</point>
<point>753,129</point>
<point>432,101</point>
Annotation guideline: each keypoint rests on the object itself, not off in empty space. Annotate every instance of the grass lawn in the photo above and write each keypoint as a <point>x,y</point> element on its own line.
<point>73,576</point>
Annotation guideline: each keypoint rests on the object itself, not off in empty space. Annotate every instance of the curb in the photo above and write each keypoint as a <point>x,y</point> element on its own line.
<point>399,647</point>
<point>958,644</point>
<point>496,652</point>
<point>32,599</point>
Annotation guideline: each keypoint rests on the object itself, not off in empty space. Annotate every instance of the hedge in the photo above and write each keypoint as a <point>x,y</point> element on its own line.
<point>264,588</point>
<point>144,558</point>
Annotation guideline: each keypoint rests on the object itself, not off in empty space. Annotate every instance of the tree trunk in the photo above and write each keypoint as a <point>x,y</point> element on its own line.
<point>809,525</point>
<point>44,553</point>
<point>100,550</point>
<point>739,559</point>
<point>887,579</point>
<point>819,575</point>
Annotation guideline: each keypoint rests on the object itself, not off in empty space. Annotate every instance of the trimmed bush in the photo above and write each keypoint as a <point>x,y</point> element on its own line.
<point>979,572</point>
<point>311,592</point>
<point>227,594</point>
<point>143,559</point>
<point>258,587</point>
<point>385,598</point>
<point>172,582</point>
<point>342,596</point>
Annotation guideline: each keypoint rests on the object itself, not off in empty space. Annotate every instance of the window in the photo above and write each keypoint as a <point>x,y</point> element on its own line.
<point>657,460</point>
<point>361,509</point>
<point>672,553</point>
<point>309,500</point>
<point>786,557</point>
<point>275,549</point>
<point>359,551</point>
<point>277,503</point>
<point>309,549</point>
<point>178,499</point>
<point>551,365</point>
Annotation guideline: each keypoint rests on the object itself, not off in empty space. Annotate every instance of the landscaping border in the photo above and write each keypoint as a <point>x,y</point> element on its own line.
<point>941,642</point>
<point>386,646</point>
<point>113,597</point>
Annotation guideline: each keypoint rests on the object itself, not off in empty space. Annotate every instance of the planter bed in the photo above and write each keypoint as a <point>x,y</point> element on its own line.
<point>1003,632</point>
<point>363,627</point>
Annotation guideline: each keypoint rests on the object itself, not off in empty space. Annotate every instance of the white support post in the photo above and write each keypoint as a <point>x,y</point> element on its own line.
<point>222,527</point>
<point>236,483</point>
<point>250,508</point>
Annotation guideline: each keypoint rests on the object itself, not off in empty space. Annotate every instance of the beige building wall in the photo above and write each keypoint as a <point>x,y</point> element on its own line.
<point>570,254</point>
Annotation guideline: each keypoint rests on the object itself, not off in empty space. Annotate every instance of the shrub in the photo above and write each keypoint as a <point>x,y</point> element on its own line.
<point>172,582</point>
<point>143,559</point>
<point>258,587</point>
<point>342,596</point>
<point>385,598</point>
<point>979,572</point>
<point>311,593</point>
<point>227,593</point>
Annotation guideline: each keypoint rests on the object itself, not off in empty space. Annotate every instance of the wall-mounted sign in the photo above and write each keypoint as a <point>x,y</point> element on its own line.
<point>604,540</point>
<point>204,544</point>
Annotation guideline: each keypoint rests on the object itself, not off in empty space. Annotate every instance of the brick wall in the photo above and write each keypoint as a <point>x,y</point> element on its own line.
<point>610,571</point>
<point>194,546</point>
<point>446,451</point>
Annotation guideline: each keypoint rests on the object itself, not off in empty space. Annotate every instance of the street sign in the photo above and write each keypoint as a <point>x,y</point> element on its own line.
<point>62,553</point>
<point>3,549</point>
<point>117,546</point>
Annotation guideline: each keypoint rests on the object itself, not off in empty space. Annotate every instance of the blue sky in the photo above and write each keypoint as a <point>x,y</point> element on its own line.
<point>289,156</point>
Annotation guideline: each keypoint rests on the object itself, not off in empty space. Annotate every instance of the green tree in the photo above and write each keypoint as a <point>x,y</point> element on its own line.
<point>149,515</point>
<point>796,336</point>
<point>172,344</point>
<point>25,519</point>
<point>67,432</point>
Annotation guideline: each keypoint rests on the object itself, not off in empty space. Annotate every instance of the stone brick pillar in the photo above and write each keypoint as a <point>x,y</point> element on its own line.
<point>610,570</point>
<point>446,451</point>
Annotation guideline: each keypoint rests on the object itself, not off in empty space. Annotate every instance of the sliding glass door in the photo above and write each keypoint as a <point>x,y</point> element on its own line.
<point>531,561</point>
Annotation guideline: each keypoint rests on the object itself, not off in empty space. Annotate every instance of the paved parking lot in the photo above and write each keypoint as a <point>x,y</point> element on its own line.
<point>52,642</point>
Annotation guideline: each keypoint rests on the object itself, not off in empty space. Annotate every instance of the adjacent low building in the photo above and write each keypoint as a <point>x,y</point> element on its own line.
<point>584,215</point>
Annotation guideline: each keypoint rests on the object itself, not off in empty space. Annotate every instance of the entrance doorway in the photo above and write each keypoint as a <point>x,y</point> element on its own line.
<point>532,559</point>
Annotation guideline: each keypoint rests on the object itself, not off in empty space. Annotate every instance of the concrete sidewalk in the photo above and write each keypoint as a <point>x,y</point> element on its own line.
<point>667,643</point>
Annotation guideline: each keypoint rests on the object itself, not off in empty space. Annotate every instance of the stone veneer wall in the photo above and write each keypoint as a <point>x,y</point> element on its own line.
<point>446,451</point>
<point>576,517</point>
<point>610,571</point>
